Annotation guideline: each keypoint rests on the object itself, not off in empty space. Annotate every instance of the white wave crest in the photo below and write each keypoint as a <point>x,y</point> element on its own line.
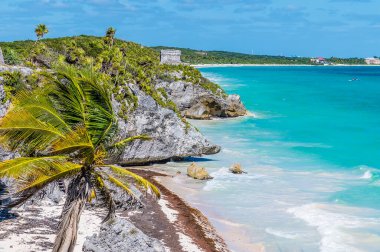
<point>333,226</point>
<point>367,175</point>
<point>281,234</point>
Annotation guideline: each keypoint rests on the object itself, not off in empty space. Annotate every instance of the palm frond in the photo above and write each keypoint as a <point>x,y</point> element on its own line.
<point>41,180</point>
<point>125,141</point>
<point>100,116</point>
<point>121,185</point>
<point>73,141</point>
<point>140,180</point>
<point>37,103</point>
<point>32,183</point>
<point>105,192</point>
<point>24,166</point>
<point>21,128</point>
<point>67,96</point>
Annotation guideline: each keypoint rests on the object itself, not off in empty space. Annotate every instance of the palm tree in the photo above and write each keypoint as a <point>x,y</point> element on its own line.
<point>110,35</point>
<point>66,130</point>
<point>40,31</point>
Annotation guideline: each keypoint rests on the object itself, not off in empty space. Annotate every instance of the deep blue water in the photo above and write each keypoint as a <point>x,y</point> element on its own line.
<point>312,152</point>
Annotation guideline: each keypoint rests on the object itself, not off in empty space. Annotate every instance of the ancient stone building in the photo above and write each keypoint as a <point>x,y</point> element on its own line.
<point>170,56</point>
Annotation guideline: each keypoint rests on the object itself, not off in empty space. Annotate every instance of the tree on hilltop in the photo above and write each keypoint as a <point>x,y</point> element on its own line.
<point>110,36</point>
<point>40,31</point>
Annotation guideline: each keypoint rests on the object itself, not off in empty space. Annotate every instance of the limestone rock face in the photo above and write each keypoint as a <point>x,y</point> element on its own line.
<point>1,57</point>
<point>121,235</point>
<point>198,172</point>
<point>196,102</point>
<point>236,169</point>
<point>21,69</point>
<point>171,138</point>
<point>4,155</point>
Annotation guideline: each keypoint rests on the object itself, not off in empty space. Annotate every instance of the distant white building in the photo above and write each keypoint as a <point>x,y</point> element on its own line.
<point>318,60</point>
<point>170,57</point>
<point>372,61</point>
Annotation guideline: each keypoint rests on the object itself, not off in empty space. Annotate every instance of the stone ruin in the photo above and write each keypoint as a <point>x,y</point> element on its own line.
<point>171,57</point>
<point>1,57</point>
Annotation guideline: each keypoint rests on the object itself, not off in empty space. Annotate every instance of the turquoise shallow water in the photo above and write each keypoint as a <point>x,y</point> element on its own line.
<point>311,150</point>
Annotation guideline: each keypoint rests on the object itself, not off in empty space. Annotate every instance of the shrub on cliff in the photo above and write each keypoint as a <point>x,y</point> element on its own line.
<point>65,130</point>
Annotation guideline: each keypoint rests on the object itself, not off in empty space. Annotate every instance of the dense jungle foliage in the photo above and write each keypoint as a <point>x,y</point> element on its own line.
<point>123,62</point>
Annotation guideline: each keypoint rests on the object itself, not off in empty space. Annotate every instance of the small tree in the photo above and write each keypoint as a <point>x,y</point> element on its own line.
<point>40,31</point>
<point>110,35</point>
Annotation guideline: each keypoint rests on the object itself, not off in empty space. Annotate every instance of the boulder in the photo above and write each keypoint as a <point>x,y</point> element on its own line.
<point>197,172</point>
<point>236,169</point>
<point>171,137</point>
<point>121,235</point>
<point>196,102</point>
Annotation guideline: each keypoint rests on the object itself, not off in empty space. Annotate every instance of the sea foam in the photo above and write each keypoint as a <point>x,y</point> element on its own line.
<point>335,227</point>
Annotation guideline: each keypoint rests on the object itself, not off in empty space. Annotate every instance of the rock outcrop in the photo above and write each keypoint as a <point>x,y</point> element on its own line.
<point>121,235</point>
<point>236,169</point>
<point>1,57</point>
<point>197,102</point>
<point>171,138</point>
<point>21,69</point>
<point>197,172</point>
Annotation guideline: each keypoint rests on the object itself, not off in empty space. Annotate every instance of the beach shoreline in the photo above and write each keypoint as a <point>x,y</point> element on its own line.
<point>176,224</point>
<point>233,234</point>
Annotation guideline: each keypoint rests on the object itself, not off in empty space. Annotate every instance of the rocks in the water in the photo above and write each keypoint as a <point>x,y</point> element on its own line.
<point>171,137</point>
<point>197,102</point>
<point>197,172</point>
<point>121,235</point>
<point>236,169</point>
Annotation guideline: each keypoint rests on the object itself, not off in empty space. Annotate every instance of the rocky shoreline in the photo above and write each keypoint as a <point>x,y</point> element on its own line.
<point>168,224</point>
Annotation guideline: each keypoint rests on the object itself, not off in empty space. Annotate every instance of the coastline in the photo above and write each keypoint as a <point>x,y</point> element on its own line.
<point>179,226</point>
<point>233,234</point>
<point>276,65</point>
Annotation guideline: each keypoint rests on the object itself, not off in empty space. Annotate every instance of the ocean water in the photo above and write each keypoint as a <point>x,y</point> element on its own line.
<point>312,152</point>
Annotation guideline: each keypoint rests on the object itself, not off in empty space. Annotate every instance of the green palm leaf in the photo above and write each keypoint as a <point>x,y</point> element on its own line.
<point>25,166</point>
<point>73,141</point>
<point>37,103</point>
<point>19,128</point>
<point>63,170</point>
<point>140,180</point>
<point>124,142</point>
<point>121,185</point>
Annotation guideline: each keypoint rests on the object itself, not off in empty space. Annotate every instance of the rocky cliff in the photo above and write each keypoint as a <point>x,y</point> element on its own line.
<point>171,136</point>
<point>197,102</point>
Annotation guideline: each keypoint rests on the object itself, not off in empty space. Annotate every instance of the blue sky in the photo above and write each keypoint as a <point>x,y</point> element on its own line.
<point>278,27</point>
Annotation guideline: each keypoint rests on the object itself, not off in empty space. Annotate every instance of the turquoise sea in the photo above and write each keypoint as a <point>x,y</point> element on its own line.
<point>312,152</point>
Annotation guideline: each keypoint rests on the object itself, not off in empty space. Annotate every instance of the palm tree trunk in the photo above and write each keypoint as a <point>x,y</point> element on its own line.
<point>77,195</point>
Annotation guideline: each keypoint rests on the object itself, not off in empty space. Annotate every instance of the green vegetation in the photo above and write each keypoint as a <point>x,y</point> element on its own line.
<point>124,63</point>
<point>66,129</point>
<point>221,57</point>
